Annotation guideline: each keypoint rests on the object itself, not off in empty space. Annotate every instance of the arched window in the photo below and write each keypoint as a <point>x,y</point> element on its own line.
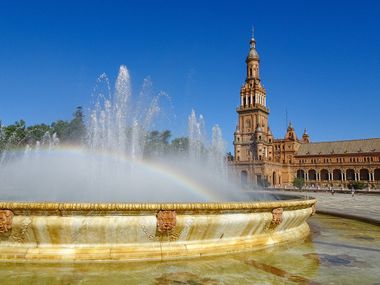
<point>377,174</point>
<point>337,174</point>
<point>324,174</point>
<point>364,174</point>
<point>312,174</point>
<point>350,174</point>
<point>300,173</point>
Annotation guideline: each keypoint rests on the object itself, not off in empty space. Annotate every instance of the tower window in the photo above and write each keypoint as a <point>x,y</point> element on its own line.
<point>250,71</point>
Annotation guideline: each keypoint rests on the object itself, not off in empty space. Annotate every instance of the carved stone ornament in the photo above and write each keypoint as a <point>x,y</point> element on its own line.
<point>166,221</point>
<point>276,217</point>
<point>6,218</point>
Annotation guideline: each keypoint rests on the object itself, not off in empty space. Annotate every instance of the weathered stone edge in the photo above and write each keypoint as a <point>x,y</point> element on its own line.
<point>48,206</point>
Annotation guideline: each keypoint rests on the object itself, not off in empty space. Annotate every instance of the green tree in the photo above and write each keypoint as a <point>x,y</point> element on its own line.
<point>179,146</point>
<point>156,143</point>
<point>298,182</point>
<point>61,128</point>
<point>36,132</point>
<point>76,130</point>
<point>15,135</point>
<point>357,185</point>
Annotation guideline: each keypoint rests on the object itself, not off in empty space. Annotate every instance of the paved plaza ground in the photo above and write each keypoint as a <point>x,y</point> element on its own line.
<point>362,206</point>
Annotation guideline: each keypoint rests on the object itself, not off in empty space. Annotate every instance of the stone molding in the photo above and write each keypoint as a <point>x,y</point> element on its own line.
<point>259,206</point>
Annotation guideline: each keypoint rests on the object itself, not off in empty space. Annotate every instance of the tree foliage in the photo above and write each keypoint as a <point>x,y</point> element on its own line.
<point>298,182</point>
<point>156,143</point>
<point>357,185</point>
<point>18,135</point>
<point>76,129</point>
<point>180,145</point>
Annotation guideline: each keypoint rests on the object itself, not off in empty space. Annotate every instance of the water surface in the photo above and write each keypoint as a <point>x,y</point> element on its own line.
<point>339,251</point>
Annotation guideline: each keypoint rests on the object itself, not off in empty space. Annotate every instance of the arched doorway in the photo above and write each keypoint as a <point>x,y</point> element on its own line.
<point>350,174</point>
<point>377,174</point>
<point>337,174</point>
<point>312,174</point>
<point>324,174</point>
<point>300,173</point>
<point>364,174</point>
<point>274,178</point>
<point>244,178</point>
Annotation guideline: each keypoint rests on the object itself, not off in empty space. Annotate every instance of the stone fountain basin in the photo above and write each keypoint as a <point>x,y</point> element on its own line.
<point>71,232</point>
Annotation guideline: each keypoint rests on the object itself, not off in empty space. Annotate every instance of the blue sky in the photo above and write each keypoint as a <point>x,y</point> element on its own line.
<point>320,60</point>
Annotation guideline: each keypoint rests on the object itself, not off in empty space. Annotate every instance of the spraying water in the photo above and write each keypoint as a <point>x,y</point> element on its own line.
<point>110,167</point>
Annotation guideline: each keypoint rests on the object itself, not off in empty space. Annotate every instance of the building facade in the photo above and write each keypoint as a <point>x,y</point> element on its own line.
<point>261,159</point>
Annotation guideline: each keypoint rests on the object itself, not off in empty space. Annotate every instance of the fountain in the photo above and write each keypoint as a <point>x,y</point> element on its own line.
<point>104,202</point>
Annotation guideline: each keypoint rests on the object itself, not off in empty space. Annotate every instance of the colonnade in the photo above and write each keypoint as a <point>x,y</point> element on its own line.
<point>349,174</point>
<point>247,100</point>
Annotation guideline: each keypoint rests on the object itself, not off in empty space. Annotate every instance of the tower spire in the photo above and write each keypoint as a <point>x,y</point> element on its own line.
<point>252,46</point>
<point>252,42</point>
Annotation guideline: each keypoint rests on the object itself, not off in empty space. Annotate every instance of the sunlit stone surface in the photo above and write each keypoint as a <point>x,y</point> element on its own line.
<point>75,232</point>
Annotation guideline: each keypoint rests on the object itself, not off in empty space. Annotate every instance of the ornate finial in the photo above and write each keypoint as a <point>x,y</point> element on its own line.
<point>305,132</point>
<point>252,42</point>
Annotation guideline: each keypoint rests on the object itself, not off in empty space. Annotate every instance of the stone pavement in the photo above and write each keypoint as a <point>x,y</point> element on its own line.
<point>365,207</point>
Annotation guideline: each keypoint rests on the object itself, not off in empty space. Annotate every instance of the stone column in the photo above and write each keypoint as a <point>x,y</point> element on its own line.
<point>251,99</point>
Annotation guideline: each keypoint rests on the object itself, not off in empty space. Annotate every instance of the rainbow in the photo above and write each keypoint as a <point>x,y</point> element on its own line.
<point>171,174</point>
